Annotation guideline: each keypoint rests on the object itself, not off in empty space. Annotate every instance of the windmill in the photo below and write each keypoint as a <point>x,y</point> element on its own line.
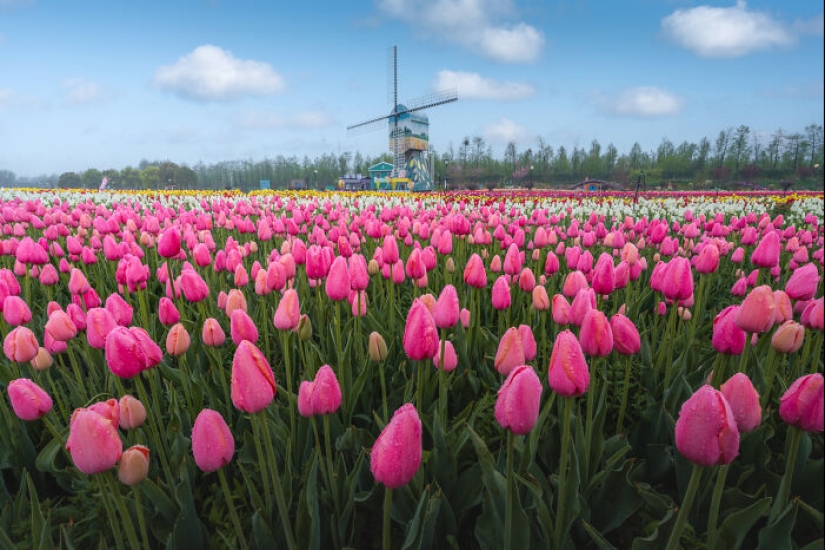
<point>408,129</point>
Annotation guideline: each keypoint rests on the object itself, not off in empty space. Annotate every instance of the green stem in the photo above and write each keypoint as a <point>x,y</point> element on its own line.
<point>233,514</point>
<point>714,503</point>
<point>784,491</point>
<point>387,535</point>
<point>625,391</point>
<point>116,532</point>
<point>442,383</point>
<point>121,506</point>
<point>508,509</point>
<point>383,390</point>
<point>684,511</point>
<point>561,512</point>
<point>333,486</point>
<point>772,364</point>
<point>283,510</point>
<point>263,461</point>
<point>141,520</point>
<point>288,370</point>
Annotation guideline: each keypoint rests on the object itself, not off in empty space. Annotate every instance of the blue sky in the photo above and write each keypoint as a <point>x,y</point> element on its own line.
<point>93,84</point>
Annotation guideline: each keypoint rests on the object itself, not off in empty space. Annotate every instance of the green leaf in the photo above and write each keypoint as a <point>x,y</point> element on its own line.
<point>736,526</point>
<point>261,533</point>
<point>777,535</point>
<point>188,532</point>
<point>597,537</point>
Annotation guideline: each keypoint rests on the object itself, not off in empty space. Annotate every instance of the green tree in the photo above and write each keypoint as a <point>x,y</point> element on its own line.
<point>187,178</point>
<point>167,172</point>
<point>91,178</point>
<point>130,178</point>
<point>69,180</point>
<point>7,178</point>
<point>150,177</point>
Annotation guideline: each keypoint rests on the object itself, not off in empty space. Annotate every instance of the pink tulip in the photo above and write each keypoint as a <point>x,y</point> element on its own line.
<point>756,313</point>
<point>99,323</point>
<point>510,352</point>
<point>526,280</point>
<point>61,326</point>
<point>519,398</point>
<point>169,243</point>
<point>708,259</point>
<point>706,430</point>
<point>475,275</point>
<point>561,310</point>
<point>568,374</point>
<point>803,282</point>
<point>288,313</point>
<point>93,443</point>
<point>30,252</point>
<point>573,283</point>
<point>242,327</point>
<point>252,383</point>
<point>802,403</point>
<point>766,253</point>
<point>743,400</point>
<point>464,317</point>
<point>193,286</point>
<point>120,309</point>
<point>501,293</point>
<point>604,280</point>
<point>677,280</point>
<point>16,311</point>
<point>813,316</point>
<point>541,301</point>
<point>596,336</point>
<point>151,350</point>
<point>321,396</point>
<point>396,454</point>
<point>235,299</point>
<point>528,342</point>
<point>20,345</point>
<point>337,284</point>
<point>784,308</point>
<point>212,333</point>
<point>212,443</point>
<point>168,314</point>
<point>177,340</point>
<point>450,357</point>
<point>43,360</point>
<point>727,337</point>
<point>584,301</point>
<point>124,353</point>
<point>134,465</point>
<point>420,333</point>
<point>28,400</point>
<point>445,313</point>
<point>132,413</point>
<point>626,339</point>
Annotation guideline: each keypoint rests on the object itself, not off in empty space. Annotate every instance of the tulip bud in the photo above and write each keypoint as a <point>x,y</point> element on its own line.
<point>134,465</point>
<point>706,431</point>
<point>304,328</point>
<point>178,340</point>
<point>132,413</point>
<point>450,265</point>
<point>396,454</point>
<point>568,374</point>
<point>801,405</point>
<point>28,400</point>
<point>743,400</point>
<point>377,347</point>
<point>517,405</point>
<point>788,338</point>
<point>43,360</point>
<point>212,443</point>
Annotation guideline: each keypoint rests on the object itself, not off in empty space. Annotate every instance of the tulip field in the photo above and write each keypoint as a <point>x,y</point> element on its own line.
<point>464,370</point>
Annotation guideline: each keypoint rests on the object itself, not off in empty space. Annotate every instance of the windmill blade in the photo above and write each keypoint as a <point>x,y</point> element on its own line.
<point>368,125</point>
<point>431,100</point>
<point>392,76</point>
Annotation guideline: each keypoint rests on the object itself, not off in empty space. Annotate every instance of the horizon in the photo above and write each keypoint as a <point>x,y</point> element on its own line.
<point>106,87</point>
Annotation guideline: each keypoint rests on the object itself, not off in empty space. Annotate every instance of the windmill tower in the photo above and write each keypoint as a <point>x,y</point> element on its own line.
<point>408,128</point>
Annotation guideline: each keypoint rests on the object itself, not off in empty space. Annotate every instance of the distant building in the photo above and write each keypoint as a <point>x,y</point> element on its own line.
<point>596,186</point>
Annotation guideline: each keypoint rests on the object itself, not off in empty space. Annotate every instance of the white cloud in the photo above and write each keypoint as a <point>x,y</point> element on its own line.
<point>504,130</point>
<point>81,92</point>
<point>475,86</point>
<point>483,26</point>
<point>725,32</point>
<point>643,102</point>
<point>297,121</point>
<point>815,25</point>
<point>210,73</point>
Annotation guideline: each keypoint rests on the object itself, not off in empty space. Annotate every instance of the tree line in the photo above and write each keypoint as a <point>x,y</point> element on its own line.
<point>736,155</point>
